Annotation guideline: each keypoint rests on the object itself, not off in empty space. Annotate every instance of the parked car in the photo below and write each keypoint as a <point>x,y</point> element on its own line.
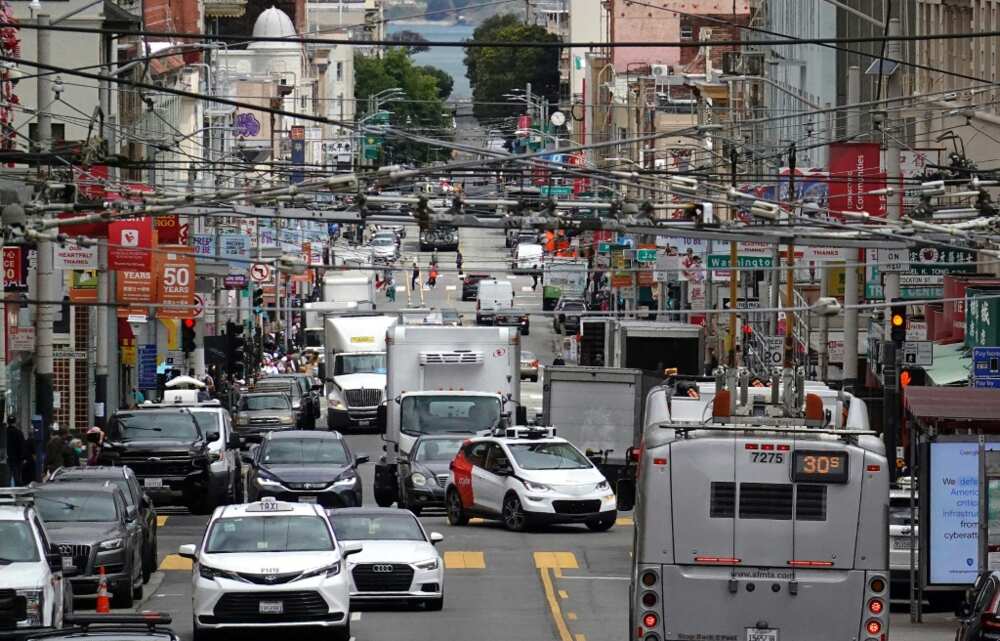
<point>397,562</point>
<point>305,466</point>
<point>470,285</point>
<point>94,528</point>
<point>979,616</point>
<point>260,413</point>
<point>902,531</point>
<point>529,366</point>
<point>513,318</point>
<point>564,321</point>
<point>423,475</point>
<point>129,484</point>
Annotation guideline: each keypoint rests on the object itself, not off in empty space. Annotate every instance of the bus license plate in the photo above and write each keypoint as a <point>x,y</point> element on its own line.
<point>900,543</point>
<point>271,607</point>
<point>152,483</point>
<point>756,634</point>
<point>307,499</point>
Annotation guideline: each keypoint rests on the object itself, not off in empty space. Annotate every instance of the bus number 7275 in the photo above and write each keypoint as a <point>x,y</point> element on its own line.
<point>767,457</point>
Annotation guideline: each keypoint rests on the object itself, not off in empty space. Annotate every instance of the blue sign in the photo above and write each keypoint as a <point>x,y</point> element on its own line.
<point>147,367</point>
<point>986,382</point>
<point>235,246</point>
<point>986,362</point>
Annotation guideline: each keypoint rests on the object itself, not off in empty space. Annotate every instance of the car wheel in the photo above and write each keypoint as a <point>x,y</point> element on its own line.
<point>434,605</point>
<point>456,512</point>
<point>122,598</point>
<point>148,561</point>
<point>513,514</point>
<point>601,525</point>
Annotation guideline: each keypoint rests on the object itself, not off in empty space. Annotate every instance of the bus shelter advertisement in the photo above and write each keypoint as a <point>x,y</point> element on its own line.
<point>953,513</point>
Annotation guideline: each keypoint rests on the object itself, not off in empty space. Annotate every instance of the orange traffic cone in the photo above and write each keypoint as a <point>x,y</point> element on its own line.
<point>103,598</point>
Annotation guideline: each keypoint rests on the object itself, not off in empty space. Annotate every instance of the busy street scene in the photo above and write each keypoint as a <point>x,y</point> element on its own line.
<point>512,320</point>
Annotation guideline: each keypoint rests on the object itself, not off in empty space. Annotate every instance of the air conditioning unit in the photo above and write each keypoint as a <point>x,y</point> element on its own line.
<point>660,70</point>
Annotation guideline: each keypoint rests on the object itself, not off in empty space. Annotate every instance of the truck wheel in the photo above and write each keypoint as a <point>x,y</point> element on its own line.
<point>456,512</point>
<point>601,525</point>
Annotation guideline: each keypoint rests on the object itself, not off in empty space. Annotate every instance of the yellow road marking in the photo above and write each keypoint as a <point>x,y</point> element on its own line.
<point>563,594</point>
<point>557,560</point>
<point>161,521</point>
<point>624,520</point>
<point>175,562</point>
<point>581,637</point>
<point>571,616</point>
<point>550,596</point>
<point>458,560</point>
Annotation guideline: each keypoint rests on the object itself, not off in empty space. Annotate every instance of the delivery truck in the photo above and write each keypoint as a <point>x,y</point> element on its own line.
<point>444,380</point>
<point>562,277</point>
<point>646,345</point>
<point>355,369</point>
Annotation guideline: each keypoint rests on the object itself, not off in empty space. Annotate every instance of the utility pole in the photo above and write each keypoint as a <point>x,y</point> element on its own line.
<point>102,360</point>
<point>45,284</point>
<point>789,359</point>
<point>734,273</point>
<point>894,91</point>
<point>850,364</point>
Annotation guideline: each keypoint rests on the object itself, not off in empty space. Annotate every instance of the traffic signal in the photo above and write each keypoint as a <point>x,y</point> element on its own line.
<point>258,300</point>
<point>187,335</point>
<point>897,324</point>
<point>235,348</point>
<point>912,376</point>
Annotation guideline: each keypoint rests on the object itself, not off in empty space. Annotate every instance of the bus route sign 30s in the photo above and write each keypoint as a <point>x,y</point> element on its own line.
<point>819,466</point>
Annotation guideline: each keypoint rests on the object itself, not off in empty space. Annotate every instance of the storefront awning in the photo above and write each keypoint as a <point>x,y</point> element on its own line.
<point>953,403</point>
<point>951,365</point>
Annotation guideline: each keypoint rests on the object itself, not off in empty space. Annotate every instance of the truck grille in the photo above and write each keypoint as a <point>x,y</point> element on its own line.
<point>264,421</point>
<point>244,607</point>
<point>389,578</point>
<point>576,507</point>
<point>163,466</point>
<point>363,397</point>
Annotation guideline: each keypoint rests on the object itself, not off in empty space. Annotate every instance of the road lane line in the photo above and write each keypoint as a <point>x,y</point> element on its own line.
<point>554,608</point>
<point>581,637</point>
<point>175,562</point>
<point>624,520</point>
<point>355,616</point>
<point>462,560</point>
<point>161,521</point>
<point>563,594</point>
<point>595,578</point>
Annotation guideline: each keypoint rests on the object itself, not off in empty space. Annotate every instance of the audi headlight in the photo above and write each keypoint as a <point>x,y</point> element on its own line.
<point>210,573</point>
<point>327,570</point>
<point>418,479</point>
<point>111,544</point>
<point>536,487</point>
<point>34,602</point>
<point>432,564</point>
<point>603,485</point>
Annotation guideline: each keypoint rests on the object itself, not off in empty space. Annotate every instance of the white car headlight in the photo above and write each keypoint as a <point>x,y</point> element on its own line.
<point>111,544</point>
<point>329,570</point>
<point>603,485</point>
<point>536,487</point>
<point>265,481</point>
<point>432,564</point>
<point>418,479</point>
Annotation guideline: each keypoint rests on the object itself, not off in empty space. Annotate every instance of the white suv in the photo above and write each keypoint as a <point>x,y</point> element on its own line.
<point>268,564</point>
<point>33,592</point>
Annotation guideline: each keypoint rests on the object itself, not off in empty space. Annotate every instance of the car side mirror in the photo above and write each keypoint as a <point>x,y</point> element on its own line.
<point>131,513</point>
<point>55,561</point>
<point>352,548</point>
<point>436,537</point>
<point>361,459</point>
<point>380,417</point>
<point>234,442</point>
<point>188,551</point>
<point>212,437</point>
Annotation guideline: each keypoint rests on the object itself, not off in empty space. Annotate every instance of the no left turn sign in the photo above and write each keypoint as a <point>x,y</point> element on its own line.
<point>260,273</point>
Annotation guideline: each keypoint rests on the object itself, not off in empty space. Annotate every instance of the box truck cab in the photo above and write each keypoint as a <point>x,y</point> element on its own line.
<point>444,380</point>
<point>355,369</point>
<point>493,295</point>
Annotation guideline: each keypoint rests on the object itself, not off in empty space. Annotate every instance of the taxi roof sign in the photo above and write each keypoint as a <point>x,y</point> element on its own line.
<point>270,504</point>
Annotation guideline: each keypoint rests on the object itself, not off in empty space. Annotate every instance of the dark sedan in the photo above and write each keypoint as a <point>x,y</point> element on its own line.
<point>423,475</point>
<point>470,285</point>
<point>979,618</point>
<point>513,318</point>
<point>305,466</point>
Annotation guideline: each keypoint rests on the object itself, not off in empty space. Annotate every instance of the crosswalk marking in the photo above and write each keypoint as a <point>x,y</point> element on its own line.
<point>161,521</point>
<point>460,560</point>
<point>175,562</point>
<point>563,594</point>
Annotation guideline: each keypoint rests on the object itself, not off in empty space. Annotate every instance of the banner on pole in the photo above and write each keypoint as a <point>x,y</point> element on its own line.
<point>130,241</point>
<point>855,172</point>
<point>175,279</point>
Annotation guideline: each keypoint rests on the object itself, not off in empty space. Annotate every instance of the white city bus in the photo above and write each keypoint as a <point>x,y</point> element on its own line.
<point>759,524</point>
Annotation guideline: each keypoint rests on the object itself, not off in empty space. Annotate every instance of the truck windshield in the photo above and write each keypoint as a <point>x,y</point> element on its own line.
<point>17,543</point>
<point>269,534</point>
<point>179,426</point>
<point>444,414</point>
<point>265,402</point>
<point>359,364</point>
<point>548,456</point>
<point>314,338</point>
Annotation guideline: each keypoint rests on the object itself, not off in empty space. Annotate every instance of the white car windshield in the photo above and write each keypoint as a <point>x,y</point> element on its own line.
<point>383,241</point>
<point>359,364</point>
<point>444,414</point>
<point>269,534</point>
<point>304,451</point>
<point>17,543</point>
<point>548,456</point>
<point>369,527</point>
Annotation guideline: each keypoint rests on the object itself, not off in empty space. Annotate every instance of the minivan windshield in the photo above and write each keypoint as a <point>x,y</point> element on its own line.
<point>269,534</point>
<point>448,414</point>
<point>177,426</point>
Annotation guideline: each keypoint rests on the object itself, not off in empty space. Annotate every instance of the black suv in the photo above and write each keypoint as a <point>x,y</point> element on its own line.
<point>470,285</point>
<point>146,626</point>
<point>167,451</point>
<point>93,525</point>
<point>126,481</point>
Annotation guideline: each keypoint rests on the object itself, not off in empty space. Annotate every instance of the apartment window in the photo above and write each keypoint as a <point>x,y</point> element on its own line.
<point>687,30</point>
<point>303,101</point>
<point>340,72</point>
<point>58,131</point>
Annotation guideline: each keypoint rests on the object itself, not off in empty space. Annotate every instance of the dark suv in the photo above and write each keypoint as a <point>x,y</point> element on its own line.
<point>93,525</point>
<point>470,285</point>
<point>564,321</point>
<point>126,481</point>
<point>167,451</point>
<point>305,416</point>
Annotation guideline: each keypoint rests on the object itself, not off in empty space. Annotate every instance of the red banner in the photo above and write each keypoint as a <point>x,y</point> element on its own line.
<point>130,241</point>
<point>855,172</point>
<point>14,277</point>
<point>135,287</point>
<point>168,230</point>
<point>175,280</point>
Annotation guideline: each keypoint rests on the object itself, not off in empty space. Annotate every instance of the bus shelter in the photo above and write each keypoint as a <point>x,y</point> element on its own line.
<point>950,436</point>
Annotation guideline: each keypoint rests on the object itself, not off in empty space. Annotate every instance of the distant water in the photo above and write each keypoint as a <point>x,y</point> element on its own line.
<point>447,58</point>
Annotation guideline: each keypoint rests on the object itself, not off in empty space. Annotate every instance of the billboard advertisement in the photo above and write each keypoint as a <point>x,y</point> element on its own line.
<point>855,172</point>
<point>129,242</point>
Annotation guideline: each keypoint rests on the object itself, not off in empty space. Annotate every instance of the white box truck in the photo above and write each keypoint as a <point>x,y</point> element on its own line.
<point>315,332</point>
<point>349,287</point>
<point>444,380</point>
<point>355,368</point>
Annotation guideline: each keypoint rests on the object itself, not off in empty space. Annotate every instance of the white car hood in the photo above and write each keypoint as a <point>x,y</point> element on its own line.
<point>257,562</point>
<point>23,576</point>
<point>561,478</point>
<point>359,381</point>
<point>392,552</point>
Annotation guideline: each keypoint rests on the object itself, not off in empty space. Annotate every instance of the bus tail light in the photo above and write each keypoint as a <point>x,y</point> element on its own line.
<point>877,584</point>
<point>873,627</point>
<point>650,619</point>
<point>649,579</point>
<point>876,606</point>
<point>717,560</point>
<point>810,564</point>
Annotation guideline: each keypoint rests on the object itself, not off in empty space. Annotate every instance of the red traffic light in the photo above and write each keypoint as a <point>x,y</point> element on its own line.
<point>189,323</point>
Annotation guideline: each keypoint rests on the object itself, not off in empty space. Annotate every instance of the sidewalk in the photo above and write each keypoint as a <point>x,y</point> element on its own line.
<point>939,626</point>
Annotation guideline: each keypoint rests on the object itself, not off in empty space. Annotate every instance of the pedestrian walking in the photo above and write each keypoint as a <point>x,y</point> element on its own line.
<point>415,279</point>
<point>434,257</point>
<point>433,277</point>
<point>15,450</point>
<point>390,287</point>
<point>534,282</point>
<point>458,261</point>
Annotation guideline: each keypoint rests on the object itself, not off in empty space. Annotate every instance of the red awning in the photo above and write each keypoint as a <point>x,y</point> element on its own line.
<point>957,403</point>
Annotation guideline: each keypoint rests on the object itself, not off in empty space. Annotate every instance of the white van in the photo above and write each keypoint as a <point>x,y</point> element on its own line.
<point>493,295</point>
<point>528,258</point>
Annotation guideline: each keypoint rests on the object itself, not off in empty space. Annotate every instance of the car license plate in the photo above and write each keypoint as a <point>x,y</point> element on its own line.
<point>67,562</point>
<point>901,543</point>
<point>152,482</point>
<point>756,634</point>
<point>307,499</point>
<point>364,423</point>
<point>271,607</point>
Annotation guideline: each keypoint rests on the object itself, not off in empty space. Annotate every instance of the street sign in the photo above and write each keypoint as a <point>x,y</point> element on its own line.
<point>199,306</point>
<point>721,261</point>
<point>645,255</point>
<point>918,353</point>
<point>556,190</point>
<point>147,367</point>
<point>986,382</point>
<point>985,362</point>
<point>260,273</point>
<point>137,318</point>
<point>603,248</point>
<point>893,260</point>
<point>776,349</point>
<point>234,281</point>
<point>743,303</point>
